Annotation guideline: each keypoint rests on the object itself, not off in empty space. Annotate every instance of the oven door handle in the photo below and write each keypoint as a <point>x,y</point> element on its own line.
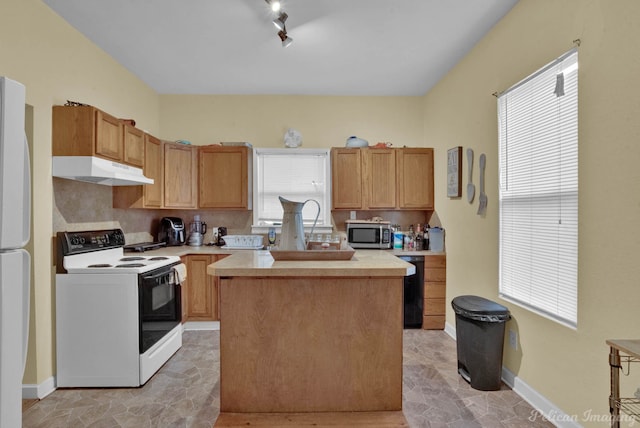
<point>166,273</point>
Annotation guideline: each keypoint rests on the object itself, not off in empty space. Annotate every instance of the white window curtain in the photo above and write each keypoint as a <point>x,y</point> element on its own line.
<point>538,200</point>
<point>294,174</point>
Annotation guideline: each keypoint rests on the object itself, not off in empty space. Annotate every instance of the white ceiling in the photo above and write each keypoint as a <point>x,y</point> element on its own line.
<point>341,47</point>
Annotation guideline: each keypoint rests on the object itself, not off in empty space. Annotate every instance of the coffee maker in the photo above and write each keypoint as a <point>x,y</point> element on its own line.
<point>222,231</point>
<point>172,231</point>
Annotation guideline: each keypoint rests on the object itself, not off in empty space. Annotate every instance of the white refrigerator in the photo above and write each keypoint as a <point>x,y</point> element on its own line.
<point>15,262</point>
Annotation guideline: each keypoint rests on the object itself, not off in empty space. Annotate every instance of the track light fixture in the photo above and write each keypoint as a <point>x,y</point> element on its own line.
<point>280,20</point>
<point>286,40</point>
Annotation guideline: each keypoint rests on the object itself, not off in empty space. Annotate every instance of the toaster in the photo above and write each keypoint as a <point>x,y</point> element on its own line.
<point>172,231</point>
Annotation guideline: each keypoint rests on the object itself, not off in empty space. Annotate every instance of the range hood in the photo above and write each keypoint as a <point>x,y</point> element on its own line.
<point>96,170</point>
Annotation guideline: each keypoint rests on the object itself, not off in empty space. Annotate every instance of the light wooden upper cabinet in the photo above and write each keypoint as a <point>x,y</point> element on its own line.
<point>108,141</point>
<point>379,178</point>
<point>364,178</point>
<point>180,176</point>
<point>225,178</point>
<point>153,194</point>
<point>88,131</point>
<point>133,139</point>
<point>346,178</point>
<point>415,178</point>
<point>148,195</point>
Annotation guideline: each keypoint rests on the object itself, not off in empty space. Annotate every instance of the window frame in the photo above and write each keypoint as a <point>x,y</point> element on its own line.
<point>325,219</point>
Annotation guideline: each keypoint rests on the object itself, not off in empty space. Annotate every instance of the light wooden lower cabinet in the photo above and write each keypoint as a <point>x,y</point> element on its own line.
<point>200,292</point>
<point>435,287</point>
<point>184,298</point>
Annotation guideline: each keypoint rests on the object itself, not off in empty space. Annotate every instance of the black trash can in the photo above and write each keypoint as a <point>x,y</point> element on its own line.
<point>480,335</point>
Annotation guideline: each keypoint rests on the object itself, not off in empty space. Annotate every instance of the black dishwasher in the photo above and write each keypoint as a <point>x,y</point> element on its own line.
<point>414,293</point>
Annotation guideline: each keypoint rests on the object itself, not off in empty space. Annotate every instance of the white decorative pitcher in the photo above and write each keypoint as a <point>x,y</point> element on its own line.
<point>292,235</point>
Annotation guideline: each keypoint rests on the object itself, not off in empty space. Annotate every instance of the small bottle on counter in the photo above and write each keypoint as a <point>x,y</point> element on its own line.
<point>418,245</point>
<point>425,237</point>
<point>412,239</point>
<point>271,236</point>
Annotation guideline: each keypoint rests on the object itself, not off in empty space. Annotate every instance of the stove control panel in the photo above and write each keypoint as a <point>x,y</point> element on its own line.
<point>83,242</point>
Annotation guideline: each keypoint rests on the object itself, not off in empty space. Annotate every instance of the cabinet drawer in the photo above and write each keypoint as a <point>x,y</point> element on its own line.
<point>435,274</point>
<point>434,306</point>
<point>433,322</point>
<point>435,290</point>
<point>435,261</point>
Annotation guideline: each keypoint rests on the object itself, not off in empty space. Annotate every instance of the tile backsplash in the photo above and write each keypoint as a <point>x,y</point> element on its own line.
<point>86,206</point>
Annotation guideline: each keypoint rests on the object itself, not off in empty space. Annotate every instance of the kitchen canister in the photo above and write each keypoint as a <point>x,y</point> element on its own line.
<point>436,239</point>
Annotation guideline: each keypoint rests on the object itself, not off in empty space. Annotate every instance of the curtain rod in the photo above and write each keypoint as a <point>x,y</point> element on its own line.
<point>561,58</point>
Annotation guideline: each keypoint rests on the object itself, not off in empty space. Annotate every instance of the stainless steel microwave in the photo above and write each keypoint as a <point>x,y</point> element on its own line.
<point>369,234</point>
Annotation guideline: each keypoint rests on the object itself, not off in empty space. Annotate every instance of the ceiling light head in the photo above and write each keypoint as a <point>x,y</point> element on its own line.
<point>286,40</point>
<point>275,5</point>
<point>279,22</point>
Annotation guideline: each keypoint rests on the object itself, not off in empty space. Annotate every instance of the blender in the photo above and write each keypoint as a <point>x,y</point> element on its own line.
<point>197,230</point>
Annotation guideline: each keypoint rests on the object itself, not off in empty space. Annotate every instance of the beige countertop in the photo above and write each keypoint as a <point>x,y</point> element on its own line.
<point>366,263</point>
<point>184,250</point>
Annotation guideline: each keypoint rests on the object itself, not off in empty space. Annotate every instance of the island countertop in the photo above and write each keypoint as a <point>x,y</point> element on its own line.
<point>366,263</point>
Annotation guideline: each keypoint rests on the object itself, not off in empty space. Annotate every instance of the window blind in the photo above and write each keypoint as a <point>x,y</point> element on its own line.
<point>538,191</point>
<point>296,175</point>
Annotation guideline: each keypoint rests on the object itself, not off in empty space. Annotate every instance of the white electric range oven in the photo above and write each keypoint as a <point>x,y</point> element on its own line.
<point>118,318</point>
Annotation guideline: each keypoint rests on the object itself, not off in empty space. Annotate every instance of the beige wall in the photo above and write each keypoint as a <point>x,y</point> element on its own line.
<point>569,367</point>
<point>56,64</point>
<point>323,121</point>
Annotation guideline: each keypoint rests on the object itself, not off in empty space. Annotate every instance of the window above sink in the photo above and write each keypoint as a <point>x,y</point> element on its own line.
<point>296,175</point>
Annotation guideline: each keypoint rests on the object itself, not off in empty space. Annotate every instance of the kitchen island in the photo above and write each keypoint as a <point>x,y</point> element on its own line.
<point>310,336</point>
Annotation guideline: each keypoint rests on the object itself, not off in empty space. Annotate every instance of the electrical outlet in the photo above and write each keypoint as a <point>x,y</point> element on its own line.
<point>513,339</point>
<point>352,215</point>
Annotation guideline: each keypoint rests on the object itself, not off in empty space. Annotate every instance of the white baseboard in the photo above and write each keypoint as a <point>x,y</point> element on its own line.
<point>39,391</point>
<point>450,330</point>
<point>201,325</point>
<point>550,411</point>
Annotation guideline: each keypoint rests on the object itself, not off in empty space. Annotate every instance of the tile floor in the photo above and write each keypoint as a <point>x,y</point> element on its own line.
<point>185,393</point>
